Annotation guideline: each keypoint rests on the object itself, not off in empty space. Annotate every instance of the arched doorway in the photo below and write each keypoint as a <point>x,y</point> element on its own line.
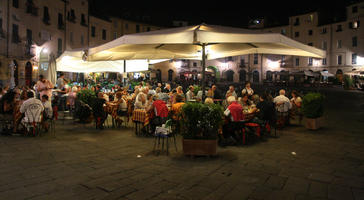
<point>242,76</point>
<point>44,62</point>
<point>170,75</point>
<point>269,76</point>
<point>255,77</point>
<point>158,75</point>
<point>339,75</point>
<point>230,75</point>
<point>194,75</point>
<point>284,75</point>
<point>28,73</point>
<point>16,72</point>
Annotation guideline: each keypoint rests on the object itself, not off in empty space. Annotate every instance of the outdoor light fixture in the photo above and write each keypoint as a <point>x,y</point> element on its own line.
<point>359,60</point>
<point>178,64</point>
<point>273,64</point>
<point>224,65</point>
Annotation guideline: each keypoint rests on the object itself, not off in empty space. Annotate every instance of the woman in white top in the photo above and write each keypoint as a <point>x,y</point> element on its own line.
<point>296,100</point>
<point>247,90</point>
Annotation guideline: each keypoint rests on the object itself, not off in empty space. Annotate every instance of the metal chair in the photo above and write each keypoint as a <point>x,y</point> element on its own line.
<point>164,134</point>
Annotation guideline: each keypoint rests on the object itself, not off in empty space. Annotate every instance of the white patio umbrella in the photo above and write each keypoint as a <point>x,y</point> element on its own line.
<point>199,42</point>
<point>72,61</point>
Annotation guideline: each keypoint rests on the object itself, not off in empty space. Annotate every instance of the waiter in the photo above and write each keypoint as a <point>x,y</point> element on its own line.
<point>44,87</point>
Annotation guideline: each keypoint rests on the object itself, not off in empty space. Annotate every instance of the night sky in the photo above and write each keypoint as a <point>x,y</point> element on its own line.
<point>223,12</point>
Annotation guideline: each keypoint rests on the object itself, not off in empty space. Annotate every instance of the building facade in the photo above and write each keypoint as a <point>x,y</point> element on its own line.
<point>343,42</point>
<point>33,33</point>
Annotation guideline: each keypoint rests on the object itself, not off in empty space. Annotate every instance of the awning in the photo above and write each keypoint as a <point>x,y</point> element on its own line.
<point>312,74</point>
<point>187,42</point>
<point>71,61</point>
<point>327,74</point>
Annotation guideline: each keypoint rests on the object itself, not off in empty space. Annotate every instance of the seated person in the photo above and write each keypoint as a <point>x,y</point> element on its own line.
<point>190,95</point>
<point>266,109</point>
<point>179,91</point>
<point>150,101</point>
<point>32,109</point>
<point>247,90</point>
<point>98,110</point>
<point>209,100</point>
<point>140,101</point>
<point>231,92</point>
<point>7,108</point>
<point>48,111</point>
<point>216,93</point>
<point>248,105</point>
<point>296,102</point>
<point>160,113</point>
<point>121,103</point>
<point>177,107</point>
<point>199,95</point>
<point>233,113</point>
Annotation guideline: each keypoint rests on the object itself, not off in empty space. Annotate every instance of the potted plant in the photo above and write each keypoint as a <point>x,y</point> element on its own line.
<point>348,82</point>
<point>83,110</point>
<point>313,110</point>
<point>201,123</point>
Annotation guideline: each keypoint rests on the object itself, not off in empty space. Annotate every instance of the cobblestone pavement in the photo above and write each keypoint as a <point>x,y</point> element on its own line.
<point>82,163</point>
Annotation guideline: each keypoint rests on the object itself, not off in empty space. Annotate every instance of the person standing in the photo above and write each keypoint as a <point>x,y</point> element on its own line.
<point>247,90</point>
<point>60,81</point>
<point>283,105</point>
<point>44,87</point>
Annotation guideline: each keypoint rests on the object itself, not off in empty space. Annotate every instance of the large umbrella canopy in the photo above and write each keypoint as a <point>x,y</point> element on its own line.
<point>73,61</point>
<point>187,43</point>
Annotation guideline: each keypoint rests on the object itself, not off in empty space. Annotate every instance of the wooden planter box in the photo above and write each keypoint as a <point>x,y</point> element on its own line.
<point>313,123</point>
<point>199,147</point>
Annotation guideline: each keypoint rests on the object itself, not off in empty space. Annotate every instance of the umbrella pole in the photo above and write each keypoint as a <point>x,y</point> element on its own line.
<point>124,79</point>
<point>203,71</point>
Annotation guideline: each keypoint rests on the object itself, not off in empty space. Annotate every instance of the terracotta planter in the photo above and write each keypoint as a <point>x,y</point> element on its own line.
<point>199,147</point>
<point>313,123</point>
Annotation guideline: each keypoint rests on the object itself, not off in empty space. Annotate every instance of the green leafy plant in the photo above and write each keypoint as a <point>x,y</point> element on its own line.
<point>313,105</point>
<point>83,109</point>
<point>196,88</point>
<point>201,121</point>
<point>86,96</point>
<point>348,82</point>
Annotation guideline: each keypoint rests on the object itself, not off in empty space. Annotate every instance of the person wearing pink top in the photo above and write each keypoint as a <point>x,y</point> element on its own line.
<point>44,87</point>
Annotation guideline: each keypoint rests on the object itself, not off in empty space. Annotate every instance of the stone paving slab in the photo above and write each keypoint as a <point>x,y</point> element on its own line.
<point>84,163</point>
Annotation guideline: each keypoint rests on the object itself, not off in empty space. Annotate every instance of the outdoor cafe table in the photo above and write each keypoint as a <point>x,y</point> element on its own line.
<point>219,101</point>
<point>141,118</point>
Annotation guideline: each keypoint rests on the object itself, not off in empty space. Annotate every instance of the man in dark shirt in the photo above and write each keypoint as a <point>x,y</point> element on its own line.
<point>216,92</point>
<point>266,109</point>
